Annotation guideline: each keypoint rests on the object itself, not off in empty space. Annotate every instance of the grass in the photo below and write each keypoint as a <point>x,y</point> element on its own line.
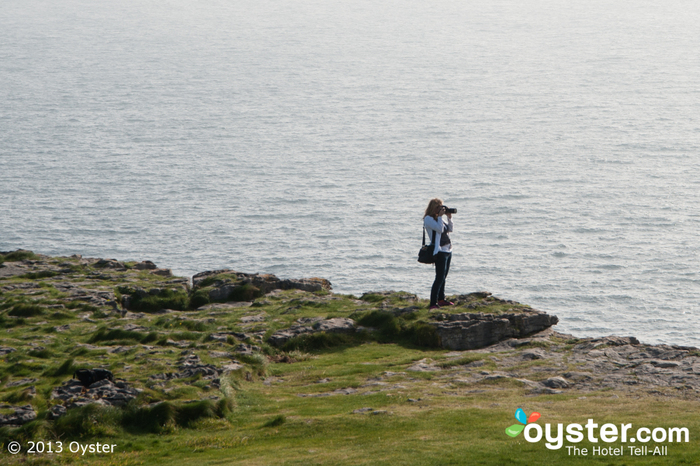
<point>26,310</point>
<point>294,405</point>
<point>17,256</point>
<point>166,299</point>
<point>125,336</point>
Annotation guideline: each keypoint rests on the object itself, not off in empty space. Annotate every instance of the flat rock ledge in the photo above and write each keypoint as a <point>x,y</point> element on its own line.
<point>309,326</point>
<point>468,331</point>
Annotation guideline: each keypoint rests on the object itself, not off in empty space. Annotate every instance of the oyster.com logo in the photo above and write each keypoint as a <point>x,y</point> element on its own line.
<point>515,429</point>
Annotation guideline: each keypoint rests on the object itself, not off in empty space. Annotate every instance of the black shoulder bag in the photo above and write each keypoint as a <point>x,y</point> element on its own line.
<point>425,255</point>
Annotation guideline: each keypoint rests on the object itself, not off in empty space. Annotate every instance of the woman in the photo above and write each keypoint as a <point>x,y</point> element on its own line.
<point>435,225</point>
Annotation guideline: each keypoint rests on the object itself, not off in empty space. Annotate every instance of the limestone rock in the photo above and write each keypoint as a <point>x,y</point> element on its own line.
<point>535,353</point>
<point>103,392</point>
<point>335,325</point>
<point>424,365</point>
<point>190,365</point>
<point>110,264</point>
<point>556,382</point>
<point>20,382</point>
<point>471,331</point>
<point>57,411</point>
<point>264,282</point>
<point>145,265</point>
<point>21,416</point>
<point>247,349</point>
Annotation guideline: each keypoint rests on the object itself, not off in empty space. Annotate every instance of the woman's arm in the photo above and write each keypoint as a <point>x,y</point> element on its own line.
<point>434,225</point>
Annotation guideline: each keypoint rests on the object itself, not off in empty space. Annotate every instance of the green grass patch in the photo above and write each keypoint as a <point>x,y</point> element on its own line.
<point>190,336</point>
<point>120,335</point>
<point>26,310</point>
<point>461,361</point>
<point>38,275</point>
<point>165,299</point>
<point>67,368</point>
<point>10,323</point>
<point>275,421</point>
<point>43,353</point>
<point>399,329</point>
<point>17,256</point>
<point>199,298</point>
<point>245,292</point>
<point>318,341</point>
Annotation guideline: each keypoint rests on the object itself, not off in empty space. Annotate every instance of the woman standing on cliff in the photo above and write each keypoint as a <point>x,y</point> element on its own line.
<point>434,224</point>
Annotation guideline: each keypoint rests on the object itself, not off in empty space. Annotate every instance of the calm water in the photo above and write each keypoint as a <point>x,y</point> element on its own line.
<point>304,138</point>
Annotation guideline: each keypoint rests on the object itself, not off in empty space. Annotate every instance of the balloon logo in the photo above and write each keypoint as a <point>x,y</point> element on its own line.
<point>515,429</point>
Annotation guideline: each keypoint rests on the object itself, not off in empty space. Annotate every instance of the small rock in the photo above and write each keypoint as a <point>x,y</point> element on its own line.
<point>556,382</point>
<point>665,364</point>
<point>546,391</point>
<point>424,365</point>
<point>363,410</point>
<point>56,411</point>
<point>256,318</point>
<point>20,382</point>
<point>532,354</point>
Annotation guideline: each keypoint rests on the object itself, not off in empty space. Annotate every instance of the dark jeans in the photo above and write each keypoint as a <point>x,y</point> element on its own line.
<point>442,268</point>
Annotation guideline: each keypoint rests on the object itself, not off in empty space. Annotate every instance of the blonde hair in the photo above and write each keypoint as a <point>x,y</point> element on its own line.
<point>433,208</point>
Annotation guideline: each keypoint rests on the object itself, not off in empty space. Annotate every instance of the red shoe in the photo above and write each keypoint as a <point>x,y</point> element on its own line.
<point>433,308</point>
<point>445,303</point>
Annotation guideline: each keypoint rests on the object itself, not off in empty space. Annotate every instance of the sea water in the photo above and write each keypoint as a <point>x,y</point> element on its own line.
<point>305,138</point>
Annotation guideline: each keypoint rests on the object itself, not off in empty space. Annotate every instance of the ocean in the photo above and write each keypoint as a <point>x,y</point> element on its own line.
<point>305,138</point>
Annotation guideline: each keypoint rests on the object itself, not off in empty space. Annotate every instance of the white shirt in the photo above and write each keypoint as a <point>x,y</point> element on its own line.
<point>437,226</point>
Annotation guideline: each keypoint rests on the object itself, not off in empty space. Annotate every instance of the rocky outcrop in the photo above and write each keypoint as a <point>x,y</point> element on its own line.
<point>190,365</point>
<point>21,415</point>
<point>471,331</point>
<point>73,394</point>
<point>309,326</point>
<point>226,281</point>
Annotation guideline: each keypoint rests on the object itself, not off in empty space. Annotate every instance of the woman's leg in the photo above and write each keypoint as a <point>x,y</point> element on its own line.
<point>448,259</point>
<point>439,283</point>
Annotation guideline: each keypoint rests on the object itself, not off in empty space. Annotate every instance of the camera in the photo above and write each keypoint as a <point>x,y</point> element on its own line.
<point>450,210</point>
